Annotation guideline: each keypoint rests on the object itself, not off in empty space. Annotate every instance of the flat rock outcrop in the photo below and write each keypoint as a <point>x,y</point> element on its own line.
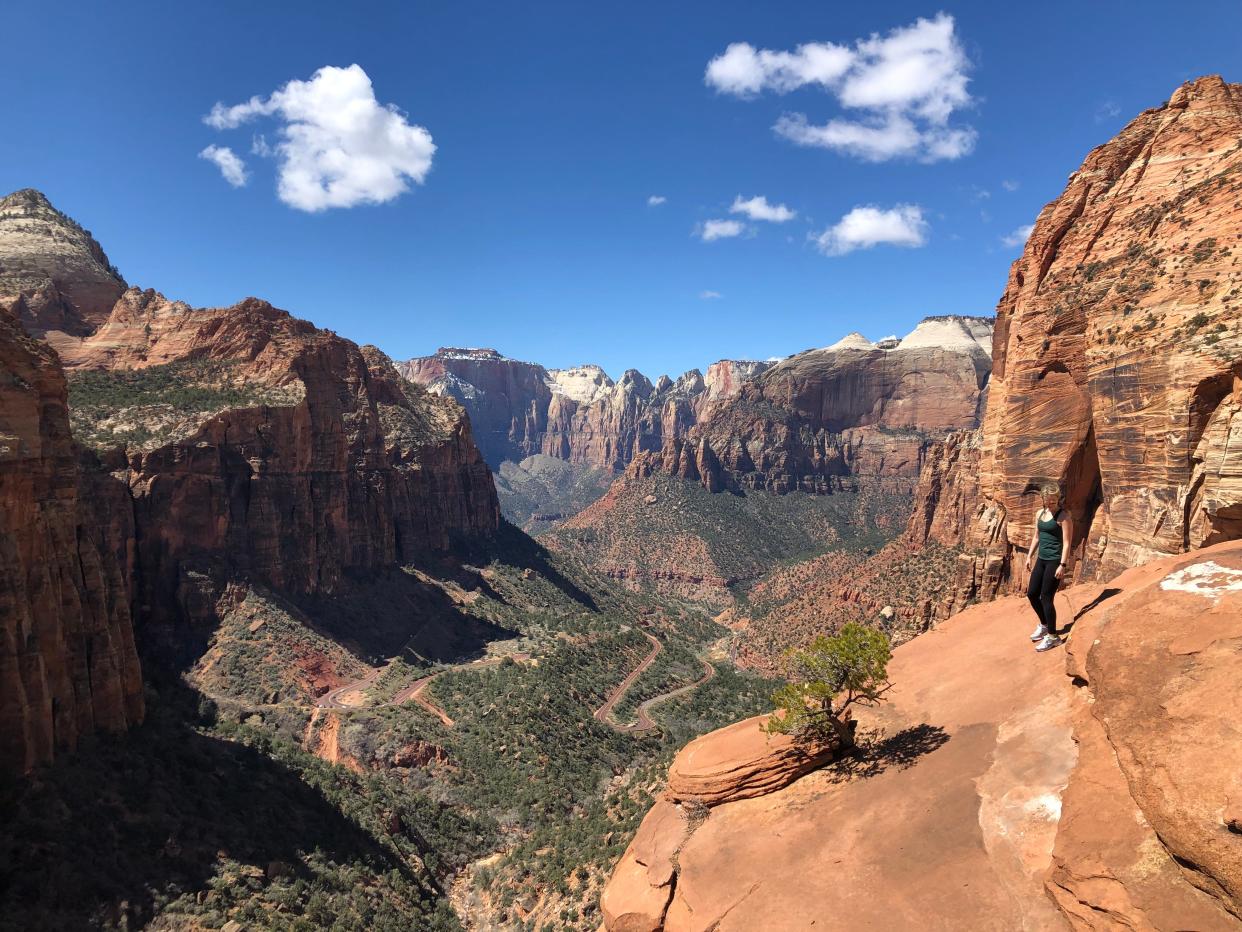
<point>1116,351</point>
<point>1003,790</point>
<point>68,667</point>
<point>738,762</point>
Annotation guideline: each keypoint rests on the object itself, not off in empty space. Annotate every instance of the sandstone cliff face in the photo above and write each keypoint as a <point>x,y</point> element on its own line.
<point>230,449</point>
<point>507,400</point>
<point>68,666</point>
<point>54,276</point>
<point>1006,790</point>
<point>293,457</point>
<point>818,420</point>
<point>579,414</point>
<point>1116,353</point>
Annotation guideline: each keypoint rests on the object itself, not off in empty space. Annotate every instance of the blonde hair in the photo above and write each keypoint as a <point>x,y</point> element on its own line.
<point>1050,488</point>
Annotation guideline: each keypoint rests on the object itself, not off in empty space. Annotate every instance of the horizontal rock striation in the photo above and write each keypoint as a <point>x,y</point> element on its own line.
<point>228,449</point>
<point>1116,354</point>
<point>740,761</point>
<point>68,667</point>
<point>54,275</point>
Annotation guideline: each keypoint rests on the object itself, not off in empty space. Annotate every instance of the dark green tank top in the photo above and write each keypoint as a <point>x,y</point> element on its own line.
<point>1049,539</point>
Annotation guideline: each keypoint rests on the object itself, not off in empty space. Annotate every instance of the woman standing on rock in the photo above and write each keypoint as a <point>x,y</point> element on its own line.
<point>1053,529</point>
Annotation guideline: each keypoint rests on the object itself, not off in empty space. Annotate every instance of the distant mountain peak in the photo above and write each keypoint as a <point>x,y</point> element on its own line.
<point>55,276</point>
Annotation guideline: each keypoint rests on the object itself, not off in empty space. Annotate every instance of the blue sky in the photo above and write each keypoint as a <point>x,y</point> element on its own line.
<point>552,125</point>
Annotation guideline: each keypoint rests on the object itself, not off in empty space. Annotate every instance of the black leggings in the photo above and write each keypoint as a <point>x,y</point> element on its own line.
<point>1040,591</point>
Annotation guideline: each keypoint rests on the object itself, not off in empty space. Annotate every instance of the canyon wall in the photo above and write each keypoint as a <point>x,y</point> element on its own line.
<point>820,419</point>
<point>1116,362</point>
<point>68,666</point>
<point>1088,790</point>
<point>54,275</point>
<point>216,450</point>
<point>579,414</point>
<point>256,445</point>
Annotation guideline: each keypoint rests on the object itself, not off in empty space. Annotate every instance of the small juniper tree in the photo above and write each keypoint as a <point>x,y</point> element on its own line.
<point>826,679</point>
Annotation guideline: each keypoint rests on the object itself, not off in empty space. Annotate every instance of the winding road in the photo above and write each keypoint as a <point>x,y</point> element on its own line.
<point>602,713</point>
<point>645,723</point>
<point>350,695</point>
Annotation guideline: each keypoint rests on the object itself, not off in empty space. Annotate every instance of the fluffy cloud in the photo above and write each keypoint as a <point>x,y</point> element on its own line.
<point>656,200</point>
<point>720,229</point>
<point>864,227</point>
<point>231,167</point>
<point>1010,185</point>
<point>906,86</point>
<point>337,145</point>
<point>758,208</point>
<point>710,295</point>
<point>1019,236</point>
<point>744,70</point>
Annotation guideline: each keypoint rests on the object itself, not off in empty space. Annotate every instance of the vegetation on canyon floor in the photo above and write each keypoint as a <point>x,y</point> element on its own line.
<point>221,807</point>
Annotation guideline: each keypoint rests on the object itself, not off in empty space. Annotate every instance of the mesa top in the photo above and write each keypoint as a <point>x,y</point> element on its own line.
<point>1050,539</point>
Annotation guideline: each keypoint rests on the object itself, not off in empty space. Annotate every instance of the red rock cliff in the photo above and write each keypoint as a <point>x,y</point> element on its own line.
<point>579,414</point>
<point>228,446</point>
<point>68,666</point>
<point>820,419</point>
<point>54,273</point>
<point>295,458</point>
<point>1116,359</point>
<point>1004,790</point>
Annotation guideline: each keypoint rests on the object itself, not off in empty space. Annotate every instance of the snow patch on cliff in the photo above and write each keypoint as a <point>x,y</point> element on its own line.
<point>583,384</point>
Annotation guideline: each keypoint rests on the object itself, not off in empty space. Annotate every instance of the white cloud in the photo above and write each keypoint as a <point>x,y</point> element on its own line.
<point>1019,236</point>
<point>906,84</point>
<point>338,146</point>
<point>720,229</point>
<point>231,167</point>
<point>1107,110</point>
<point>758,208</point>
<point>864,227</point>
<point>745,71</point>
<point>1010,185</point>
<point>656,200</point>
<point>710,295</point>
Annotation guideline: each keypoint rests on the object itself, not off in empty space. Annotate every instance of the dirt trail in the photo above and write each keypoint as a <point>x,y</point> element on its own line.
<point>415,691</point>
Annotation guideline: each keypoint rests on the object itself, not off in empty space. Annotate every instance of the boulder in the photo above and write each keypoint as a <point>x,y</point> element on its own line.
<point>741,761</point>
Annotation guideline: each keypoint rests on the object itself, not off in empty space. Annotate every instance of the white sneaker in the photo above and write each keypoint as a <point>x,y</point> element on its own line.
<point>1048,643</point>
<point>1039,633</point>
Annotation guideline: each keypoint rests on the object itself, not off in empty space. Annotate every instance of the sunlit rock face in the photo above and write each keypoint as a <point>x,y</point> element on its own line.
<point>1116,356</point>
<point>54,273</point>
<point>580,414</point>
<point>820,419</point>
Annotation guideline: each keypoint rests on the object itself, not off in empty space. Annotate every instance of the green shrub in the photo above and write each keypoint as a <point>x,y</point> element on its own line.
<point>826,679</point>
